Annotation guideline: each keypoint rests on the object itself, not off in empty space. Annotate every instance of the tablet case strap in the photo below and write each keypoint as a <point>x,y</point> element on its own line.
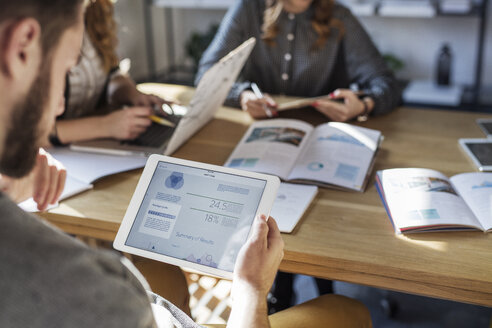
<point>180,319</point>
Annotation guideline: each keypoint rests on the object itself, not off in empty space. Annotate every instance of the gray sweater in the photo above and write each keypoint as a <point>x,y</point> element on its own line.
<point>48,279</point>
<point>291,68</point>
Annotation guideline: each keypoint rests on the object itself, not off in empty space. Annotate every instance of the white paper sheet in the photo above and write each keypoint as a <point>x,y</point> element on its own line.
<point>476,190</point>
<point>88,167</point>
<point>291,203</point>
<point>85,168</point>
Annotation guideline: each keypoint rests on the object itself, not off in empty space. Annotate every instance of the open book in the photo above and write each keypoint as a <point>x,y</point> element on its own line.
<point>85,168</point>
<point>331,155</point>
<point>422,200</point>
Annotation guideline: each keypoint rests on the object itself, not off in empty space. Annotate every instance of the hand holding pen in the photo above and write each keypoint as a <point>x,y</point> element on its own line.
<point>161,113</point>
<point>127,123</point>
<point>257,104</point>
<point>130,122</point>
<point>156,103</point>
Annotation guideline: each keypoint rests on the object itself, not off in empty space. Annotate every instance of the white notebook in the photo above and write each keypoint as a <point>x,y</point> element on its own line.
<point>85,168</point>
<point>291,203</point>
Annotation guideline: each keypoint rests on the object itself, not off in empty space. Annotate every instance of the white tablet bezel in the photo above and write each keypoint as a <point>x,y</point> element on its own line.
<point>264,207</point>
<point>464,146</point>
<point>484,130</point>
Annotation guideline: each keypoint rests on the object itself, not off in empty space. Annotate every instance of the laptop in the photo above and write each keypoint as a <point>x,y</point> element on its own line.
<point>210,94</point>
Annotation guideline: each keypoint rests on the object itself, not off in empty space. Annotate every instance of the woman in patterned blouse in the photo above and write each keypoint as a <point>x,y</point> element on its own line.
<point>102,101</point>
<point>305,48</point>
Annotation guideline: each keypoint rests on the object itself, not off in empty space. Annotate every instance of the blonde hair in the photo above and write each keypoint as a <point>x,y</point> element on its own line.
<point>322,22</point>
<point>101,29</point>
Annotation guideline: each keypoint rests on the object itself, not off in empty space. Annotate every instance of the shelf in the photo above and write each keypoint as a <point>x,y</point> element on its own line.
<point>465,104</point>
<point>361,9</point>
<point>373,8</point>
<point>193,4</point>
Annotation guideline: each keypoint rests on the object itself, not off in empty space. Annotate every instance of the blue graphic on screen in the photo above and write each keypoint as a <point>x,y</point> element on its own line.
<point>175,180</point>
<point>196,215</point>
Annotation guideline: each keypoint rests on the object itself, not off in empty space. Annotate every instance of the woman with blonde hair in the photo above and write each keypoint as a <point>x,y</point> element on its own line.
<point>305,48</point>
<point>101,100</point>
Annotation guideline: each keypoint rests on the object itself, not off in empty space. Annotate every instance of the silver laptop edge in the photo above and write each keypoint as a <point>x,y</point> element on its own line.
<point>209,95</point>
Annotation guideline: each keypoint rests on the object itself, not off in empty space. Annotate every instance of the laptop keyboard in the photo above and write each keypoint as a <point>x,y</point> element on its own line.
<point>154,136</point>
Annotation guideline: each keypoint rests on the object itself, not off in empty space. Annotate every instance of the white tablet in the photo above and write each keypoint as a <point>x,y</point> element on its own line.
<point>193,214</point>
<point>485,125</point>
<point>479,151</point>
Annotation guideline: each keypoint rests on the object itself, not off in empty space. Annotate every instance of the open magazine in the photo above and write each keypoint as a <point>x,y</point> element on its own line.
<point>422,200</point>
<point>336,155</point>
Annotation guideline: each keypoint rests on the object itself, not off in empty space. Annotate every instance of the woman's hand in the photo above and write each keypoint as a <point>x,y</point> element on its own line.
<point>127,123</point>
<point>44,184</point>
<point>350,108</point>
<point>122,91</point>
<point>137,98</point>
<point>258,107</point>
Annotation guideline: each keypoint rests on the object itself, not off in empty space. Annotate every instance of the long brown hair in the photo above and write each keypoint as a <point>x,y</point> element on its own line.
<point>101,28</point>
<point>322,22</point>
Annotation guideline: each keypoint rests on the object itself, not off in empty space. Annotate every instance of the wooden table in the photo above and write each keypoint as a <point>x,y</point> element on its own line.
<point>344,236</point>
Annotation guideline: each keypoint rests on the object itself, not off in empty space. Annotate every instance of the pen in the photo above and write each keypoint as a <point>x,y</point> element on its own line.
<point>161,121</point>
<point>259,94</point>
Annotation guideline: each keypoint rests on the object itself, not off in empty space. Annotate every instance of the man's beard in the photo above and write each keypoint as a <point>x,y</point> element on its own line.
<point>23,135</point>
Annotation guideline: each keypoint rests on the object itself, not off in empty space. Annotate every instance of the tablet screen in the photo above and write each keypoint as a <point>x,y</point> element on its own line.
<point>482,151</point>
<point>196,215</point>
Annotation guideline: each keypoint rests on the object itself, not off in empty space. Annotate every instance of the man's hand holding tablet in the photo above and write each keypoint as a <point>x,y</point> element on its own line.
<point>256,266</point>
<point>193,214</point>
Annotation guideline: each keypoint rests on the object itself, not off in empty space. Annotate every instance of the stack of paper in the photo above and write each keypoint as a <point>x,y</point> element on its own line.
<point>427,92</point>
<point>360,7</point>
<point>407,8</point>
<point>366,8</point>
<point>455,6</point>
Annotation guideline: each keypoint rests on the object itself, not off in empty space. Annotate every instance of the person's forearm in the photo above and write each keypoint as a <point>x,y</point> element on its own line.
<point>249,309</point>
<point>81,129</point>
<point>385,93</point>
<point>234,96</point>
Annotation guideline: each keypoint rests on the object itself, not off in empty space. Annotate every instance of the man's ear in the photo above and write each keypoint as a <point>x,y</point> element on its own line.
<point>21,49</point>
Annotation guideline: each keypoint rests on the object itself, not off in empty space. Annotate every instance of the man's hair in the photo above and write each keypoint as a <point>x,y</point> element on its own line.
<point>23,132</point>
<point>54,16</point>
